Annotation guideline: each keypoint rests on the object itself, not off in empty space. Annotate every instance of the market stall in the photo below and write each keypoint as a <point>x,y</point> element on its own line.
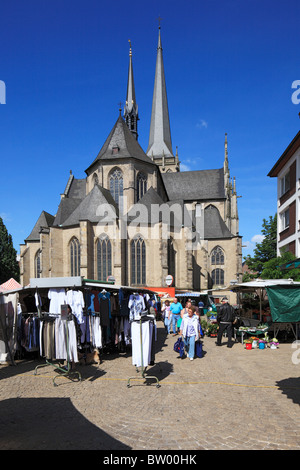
<point>284,302</point>
<point>196,297</point>
<point>259,286</point>
<point>64,319</point>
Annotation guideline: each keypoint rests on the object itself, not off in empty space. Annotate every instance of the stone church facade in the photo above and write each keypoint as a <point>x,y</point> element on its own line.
<point>135,216</point>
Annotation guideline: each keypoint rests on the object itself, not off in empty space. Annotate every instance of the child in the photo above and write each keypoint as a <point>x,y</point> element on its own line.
<point>189,329</point>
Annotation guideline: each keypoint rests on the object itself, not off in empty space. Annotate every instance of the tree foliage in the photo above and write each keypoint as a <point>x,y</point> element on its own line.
<point>9,266</point>
<point>272,269</point>
<point>266,250</point>
<point>265,263</point>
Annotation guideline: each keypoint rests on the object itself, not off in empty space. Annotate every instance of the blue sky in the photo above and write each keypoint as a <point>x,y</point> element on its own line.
<point>229,67</point>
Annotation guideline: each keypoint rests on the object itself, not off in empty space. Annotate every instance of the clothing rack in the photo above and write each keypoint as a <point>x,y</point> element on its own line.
<point>143,369</point>
<point>65,371</point>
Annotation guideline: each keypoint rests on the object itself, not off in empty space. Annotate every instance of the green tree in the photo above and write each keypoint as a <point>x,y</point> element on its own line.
<point>272,269</point>
<point>9,266</point>
<point>267,249</point>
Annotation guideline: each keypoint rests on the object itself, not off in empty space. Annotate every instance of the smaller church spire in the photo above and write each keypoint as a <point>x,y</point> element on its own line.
<point>226,155</point>
<point>131,108</point>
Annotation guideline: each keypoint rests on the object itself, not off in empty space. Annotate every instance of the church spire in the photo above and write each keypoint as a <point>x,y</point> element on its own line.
<point>160,135</point>
<point>131,108</point>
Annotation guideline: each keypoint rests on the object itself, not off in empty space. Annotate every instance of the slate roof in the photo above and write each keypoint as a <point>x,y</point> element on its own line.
<point>214,225</point>
<point>122,139</point>
<point>195,185</point>
<point>164,213</point>
<point>75,192</point>
<point>88,208</point>
<point>44,220</point>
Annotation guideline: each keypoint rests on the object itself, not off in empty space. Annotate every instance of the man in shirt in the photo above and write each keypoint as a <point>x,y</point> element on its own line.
<point>175,309</point>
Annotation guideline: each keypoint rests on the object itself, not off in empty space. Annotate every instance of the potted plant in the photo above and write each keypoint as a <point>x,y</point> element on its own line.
<point>255,341</point>
<point>274,343</point>
<point>262,344</point>
<point>212,329</point>
<point>248,343</point>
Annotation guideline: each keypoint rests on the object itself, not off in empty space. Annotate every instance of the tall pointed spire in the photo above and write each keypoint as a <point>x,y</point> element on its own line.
<point>160,135</point>
<point>131,108</point>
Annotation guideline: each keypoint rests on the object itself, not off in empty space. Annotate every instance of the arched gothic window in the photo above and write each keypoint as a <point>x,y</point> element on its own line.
<point>37,264</point>
<point>141,186</point>
<point>116,185</point>
<point>138,261</point>
<point>217,256</point>
<point>75,257</point>
<point>217,276</point>
<point>103,258</point>
<point>95,179</point>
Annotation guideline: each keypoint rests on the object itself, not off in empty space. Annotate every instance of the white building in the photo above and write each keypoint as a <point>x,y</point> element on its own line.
<point>287,171</point>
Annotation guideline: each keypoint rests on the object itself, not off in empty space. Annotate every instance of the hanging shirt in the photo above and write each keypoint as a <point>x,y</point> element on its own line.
<point>136,306</point>
<point>104,306</point>
<point>57,298</point>
<point>76,301</point>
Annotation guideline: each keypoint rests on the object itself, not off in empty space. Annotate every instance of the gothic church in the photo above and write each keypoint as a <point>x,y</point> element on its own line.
<point>135,216</point>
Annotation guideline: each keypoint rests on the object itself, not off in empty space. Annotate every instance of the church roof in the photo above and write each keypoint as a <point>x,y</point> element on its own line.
<point>44,220</point>
<point>214,225</point>
<point>195,185</point>
<point>74,193</point>
<point>163,212</point>
<point>121,144</point>
<point>90,207</point>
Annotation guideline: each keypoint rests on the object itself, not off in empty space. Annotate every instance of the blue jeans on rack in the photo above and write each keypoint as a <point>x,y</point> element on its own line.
<point>189,343</point>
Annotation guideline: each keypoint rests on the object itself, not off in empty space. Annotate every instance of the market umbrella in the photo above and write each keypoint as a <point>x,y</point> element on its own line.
<point>11,284</point>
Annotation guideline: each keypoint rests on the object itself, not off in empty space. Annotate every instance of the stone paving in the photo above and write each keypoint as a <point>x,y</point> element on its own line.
<point>231,399</point>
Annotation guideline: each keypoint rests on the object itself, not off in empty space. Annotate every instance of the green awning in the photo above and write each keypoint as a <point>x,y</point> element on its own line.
<point>284,303</point>
<point>290,265</point>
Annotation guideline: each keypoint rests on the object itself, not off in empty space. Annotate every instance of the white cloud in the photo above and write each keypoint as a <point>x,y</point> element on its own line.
<point>201,124</point>
<point>184,167</point>
<point>248,246</point>
<point>257,238</point>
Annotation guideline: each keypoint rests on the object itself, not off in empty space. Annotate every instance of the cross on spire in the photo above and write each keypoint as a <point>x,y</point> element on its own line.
<point>159,20</point>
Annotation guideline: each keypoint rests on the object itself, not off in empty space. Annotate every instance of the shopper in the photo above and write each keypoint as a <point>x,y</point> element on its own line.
<point>184,311</point>
<point>175,308</point>
<point>167,315</point>
<point>225,319</point>
<point>190,331</point>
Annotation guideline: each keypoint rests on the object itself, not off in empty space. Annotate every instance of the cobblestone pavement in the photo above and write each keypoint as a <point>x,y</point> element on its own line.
<point>229,399</point>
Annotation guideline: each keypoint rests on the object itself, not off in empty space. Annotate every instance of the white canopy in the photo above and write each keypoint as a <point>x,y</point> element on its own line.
<point>259,285</point>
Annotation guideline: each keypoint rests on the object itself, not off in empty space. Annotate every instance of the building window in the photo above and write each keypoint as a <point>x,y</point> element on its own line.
<point>138,261</point>
<point>217,276</point>
<point>103,258</point>
<point>217,256</point>
<point>75,257</point>
<point>37,264</point>
<point>95,179</point>
<point>284,183</point>
<point>141,186</point>
<point>285,219</point>
<point>116,185</point>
